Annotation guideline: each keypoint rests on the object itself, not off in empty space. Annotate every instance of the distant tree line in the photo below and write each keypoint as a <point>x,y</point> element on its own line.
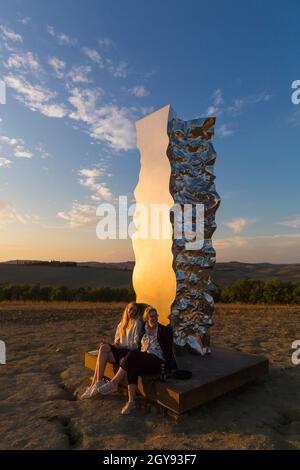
<point>248,291</point>
<point>50,263</point>
<point>244,291</point>
<point>39,292</point>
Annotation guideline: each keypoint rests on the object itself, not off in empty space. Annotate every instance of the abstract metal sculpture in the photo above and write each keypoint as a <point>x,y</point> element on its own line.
<point>177,159</point>
<point>192,157</point>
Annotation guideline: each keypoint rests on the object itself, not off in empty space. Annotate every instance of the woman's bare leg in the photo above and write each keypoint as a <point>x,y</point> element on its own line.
<point>130,405</point>
<point>104,356</point>
<point>119,376</point>
<point>131,392</point>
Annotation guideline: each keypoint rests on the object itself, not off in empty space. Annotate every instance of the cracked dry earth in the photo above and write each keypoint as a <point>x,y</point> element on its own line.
<point>44,375</point>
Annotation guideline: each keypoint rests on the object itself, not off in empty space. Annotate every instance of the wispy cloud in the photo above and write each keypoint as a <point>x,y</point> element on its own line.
<point>294,120</point>
<point>240,103</point>
<point>232,242</point>
<point>21,153</point>
<point>119,70</point>
<point>4,139</point>
<point>89,177</point>
<point>85,103</point>
<point>139,91</point>
<point>10,35</point>
<point>114,126</point>
<point>106,43</point>
<point>18,146</point>
<point>104,121</point>
<point>217,102</point>
<point>225,130</point>
<point>5,162</point>
<point>93,55</point>
<point>35,97</point>
<point>293,222</point>
<point>275,248</point>
<point>25,61</point>
<point>81,215</point>
<point>25,20</point>
<point>79,74</point>
<point>62,38</point>
<point>58,65</point>
<point>84,215</point>
<point>219,107</point>
<point>107,123</point>
<point>41,151</point>
<point>8,214</point>
<point>238,224</point>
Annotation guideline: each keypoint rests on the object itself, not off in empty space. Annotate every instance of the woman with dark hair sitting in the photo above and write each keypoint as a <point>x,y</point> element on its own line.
<point>156,350</point>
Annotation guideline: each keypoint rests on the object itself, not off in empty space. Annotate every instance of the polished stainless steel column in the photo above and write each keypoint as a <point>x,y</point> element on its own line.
<point>192,157</point>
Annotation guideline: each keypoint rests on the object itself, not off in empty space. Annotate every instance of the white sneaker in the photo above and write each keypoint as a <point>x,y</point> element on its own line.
<point>110,387</point>
<point>87,393</point>
<point>92,390</point>
<point>128,408</point>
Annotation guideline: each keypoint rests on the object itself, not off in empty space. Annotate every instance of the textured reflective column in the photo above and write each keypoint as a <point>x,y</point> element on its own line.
<point>177,159</point>
<point>192,157</point>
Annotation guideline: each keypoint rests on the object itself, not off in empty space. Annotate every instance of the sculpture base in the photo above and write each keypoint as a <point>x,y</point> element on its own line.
<point>224,370</point>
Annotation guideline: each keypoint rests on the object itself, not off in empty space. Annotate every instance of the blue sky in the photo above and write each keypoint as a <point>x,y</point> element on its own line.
<point>78,74</point>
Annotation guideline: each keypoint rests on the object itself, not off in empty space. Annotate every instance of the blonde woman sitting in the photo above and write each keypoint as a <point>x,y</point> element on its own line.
<point>156,350</point>
<point>127,338</point>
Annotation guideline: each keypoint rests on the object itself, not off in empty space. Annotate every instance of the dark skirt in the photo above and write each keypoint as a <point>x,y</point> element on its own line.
<point>118,353</point>
<point>139,363</point>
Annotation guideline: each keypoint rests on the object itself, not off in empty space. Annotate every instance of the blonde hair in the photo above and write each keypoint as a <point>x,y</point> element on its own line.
<point>147,312</point>
<point>126,321</point>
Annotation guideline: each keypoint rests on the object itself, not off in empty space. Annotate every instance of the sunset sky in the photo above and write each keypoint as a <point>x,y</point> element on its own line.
<point>79,73</point>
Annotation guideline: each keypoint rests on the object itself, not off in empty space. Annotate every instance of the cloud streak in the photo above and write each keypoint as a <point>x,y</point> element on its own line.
<point>17,145</point>
<point>9,214</point>
<point>238,224</point>
<point>106,123</point>
<point>89,178</point>
<point>80,215</point>
<point>62,38</point>
<point>93,55</point>
<point>10,35</point>
<point>275,248</point>
<point>293,222</point>
<point>5,162</point>
<point>139,91</point>
<point>35,97</point>
<point>58,66</point>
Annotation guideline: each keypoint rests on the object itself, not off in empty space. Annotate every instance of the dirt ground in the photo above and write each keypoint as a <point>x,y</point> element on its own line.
<point>44,375</point>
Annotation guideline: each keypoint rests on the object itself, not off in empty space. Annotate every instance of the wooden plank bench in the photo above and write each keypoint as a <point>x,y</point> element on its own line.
<point>214,375</point>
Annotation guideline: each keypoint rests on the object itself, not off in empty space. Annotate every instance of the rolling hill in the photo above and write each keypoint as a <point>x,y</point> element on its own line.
<point>96,274</point>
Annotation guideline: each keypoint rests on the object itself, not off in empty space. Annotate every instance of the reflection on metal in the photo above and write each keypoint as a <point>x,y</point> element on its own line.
<point>192,157</point>
<point>177,159</point>
<point>154,280</point>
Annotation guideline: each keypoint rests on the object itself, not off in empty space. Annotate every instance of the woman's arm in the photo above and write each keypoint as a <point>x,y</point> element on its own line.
<point>136,334</point>
<point>118,335</point>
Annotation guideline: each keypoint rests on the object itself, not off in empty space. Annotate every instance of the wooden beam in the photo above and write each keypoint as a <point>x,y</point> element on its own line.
<point>213,376</point>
